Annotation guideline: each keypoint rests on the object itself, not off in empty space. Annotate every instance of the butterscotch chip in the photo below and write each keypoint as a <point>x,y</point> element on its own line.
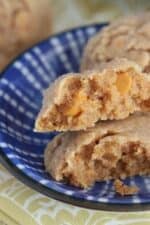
<point>78,101</point>
<point>76,106</point>
<point>123,83</point>
<point>110,150</point>
<point>128,37</point>
<point>124,189</point>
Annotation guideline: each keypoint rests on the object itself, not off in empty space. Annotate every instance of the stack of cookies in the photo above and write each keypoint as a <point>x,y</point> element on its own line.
<point>104,110</point>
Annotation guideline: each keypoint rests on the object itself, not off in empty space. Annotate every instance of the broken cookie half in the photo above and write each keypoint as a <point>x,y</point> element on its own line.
<point>110,150</point>
<point>78,101</point>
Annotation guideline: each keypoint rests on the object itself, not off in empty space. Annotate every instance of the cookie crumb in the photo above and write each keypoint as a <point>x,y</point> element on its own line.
<point>124,189</point>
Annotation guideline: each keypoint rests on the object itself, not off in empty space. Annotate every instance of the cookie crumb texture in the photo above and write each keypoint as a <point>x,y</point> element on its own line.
<point>124,189</point>
<point>110,150</point>
<point>128,37</point>
<point>78,101</point>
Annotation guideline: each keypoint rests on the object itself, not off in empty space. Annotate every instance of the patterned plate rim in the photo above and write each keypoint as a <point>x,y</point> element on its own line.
<point>50,192</point>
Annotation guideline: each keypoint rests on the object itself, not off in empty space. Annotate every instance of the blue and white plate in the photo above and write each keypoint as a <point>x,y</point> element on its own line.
<point>22,149</point>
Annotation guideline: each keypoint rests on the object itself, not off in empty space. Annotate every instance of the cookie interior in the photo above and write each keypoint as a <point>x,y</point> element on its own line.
<point>109,157</point>
<point>99,96</point>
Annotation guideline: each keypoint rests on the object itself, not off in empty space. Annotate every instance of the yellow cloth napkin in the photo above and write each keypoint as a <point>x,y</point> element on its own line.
<point>20,205</point>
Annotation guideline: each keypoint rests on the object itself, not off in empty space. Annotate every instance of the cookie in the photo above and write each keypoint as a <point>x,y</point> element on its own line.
<point>129,37</point>
<point>110,150</point>
<point>78,101</point>
<point>23,23</point>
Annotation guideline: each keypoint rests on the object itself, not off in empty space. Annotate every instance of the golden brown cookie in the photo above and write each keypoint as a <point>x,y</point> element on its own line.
<point>128,37</point>
<point>110,150</point>
<point>23,23</point>
<point>78,101</point>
